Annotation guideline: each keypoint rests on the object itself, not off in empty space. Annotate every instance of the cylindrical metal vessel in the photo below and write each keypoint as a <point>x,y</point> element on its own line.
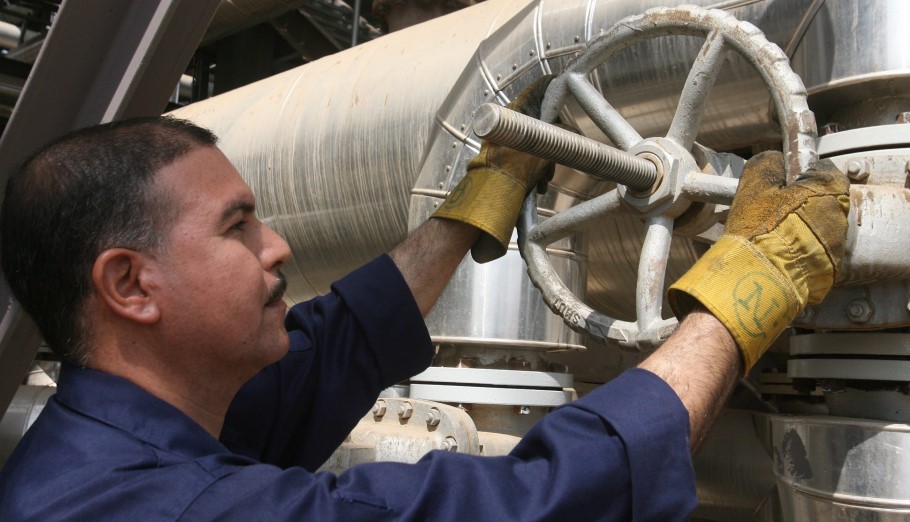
<point>836,469</point>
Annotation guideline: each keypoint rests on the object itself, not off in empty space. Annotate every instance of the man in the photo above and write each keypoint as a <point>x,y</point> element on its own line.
<point>136,248</point>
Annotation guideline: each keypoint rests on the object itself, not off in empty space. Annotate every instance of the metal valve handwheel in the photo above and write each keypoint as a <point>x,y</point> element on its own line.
<point>658,178</point>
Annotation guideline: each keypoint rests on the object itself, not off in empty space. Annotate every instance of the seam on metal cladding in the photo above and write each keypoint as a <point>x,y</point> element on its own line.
<point>558,252</point>
<point>537,36</point>
<point>802,27</point>
<point>562,51</point>
<point>733,4</point>
<point>441,194</point>
<point>519,72</point>
<point>589,21</point>
<point>859,79</point>
<point>546,212</point>
<point>566,254</point>
<point>485,73</point>
<point>841,498</point>
<point>472,145</point>
<point>460,136</point>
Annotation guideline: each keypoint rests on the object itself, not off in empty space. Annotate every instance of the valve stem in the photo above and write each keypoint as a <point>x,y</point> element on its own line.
<point>504,126</point>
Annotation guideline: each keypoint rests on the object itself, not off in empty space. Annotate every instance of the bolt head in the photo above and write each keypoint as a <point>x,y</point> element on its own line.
<point>379,408</point>
<point>434,417</point>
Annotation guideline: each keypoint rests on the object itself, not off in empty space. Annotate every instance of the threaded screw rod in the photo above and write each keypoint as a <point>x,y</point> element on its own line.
<point>503,126</point>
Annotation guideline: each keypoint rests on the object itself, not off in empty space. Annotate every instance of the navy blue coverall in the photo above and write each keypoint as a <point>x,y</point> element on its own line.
<point>103,449</point>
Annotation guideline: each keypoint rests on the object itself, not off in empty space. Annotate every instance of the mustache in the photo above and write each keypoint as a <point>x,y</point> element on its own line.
<point>278,290</point>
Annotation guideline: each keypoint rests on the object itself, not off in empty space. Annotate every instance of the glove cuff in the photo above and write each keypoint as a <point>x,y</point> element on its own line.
<point>747,293</point>
<point>490,200</point>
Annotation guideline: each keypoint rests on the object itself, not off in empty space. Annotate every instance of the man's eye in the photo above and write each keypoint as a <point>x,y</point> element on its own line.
<point>240,225</point>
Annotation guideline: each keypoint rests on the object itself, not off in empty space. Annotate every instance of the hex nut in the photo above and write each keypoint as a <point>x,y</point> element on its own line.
<point>379,409</point>
<point>807,314</point>
<point>859,311</point>
<point>434,417</point>
<point>857,170</point>
<point>450,444</point>
<point>405,410</point>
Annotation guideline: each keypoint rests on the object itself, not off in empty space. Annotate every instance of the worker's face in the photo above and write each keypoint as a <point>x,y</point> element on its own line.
<point>221,297</point>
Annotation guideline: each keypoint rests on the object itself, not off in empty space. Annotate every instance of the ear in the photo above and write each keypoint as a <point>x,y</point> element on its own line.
<point>122,281</point>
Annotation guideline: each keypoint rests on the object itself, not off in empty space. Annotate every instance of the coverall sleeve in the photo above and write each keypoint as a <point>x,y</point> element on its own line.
<point>364,336</point>
<point>619,453</point>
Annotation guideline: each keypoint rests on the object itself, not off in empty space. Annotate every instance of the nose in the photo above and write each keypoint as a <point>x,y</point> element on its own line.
<point>275,250</point>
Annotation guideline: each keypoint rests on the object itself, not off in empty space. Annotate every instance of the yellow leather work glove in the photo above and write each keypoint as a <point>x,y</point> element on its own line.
<point>498,180</point>
<point>781,249</point>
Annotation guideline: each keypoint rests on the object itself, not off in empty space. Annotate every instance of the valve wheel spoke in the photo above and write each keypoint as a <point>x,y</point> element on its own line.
<point>574,219</point>
<point>607,118</point>
<point>652,267</point>
<point>694,99</point>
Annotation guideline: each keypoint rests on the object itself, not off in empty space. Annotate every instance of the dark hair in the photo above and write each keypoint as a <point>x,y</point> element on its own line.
<point>86,192</point>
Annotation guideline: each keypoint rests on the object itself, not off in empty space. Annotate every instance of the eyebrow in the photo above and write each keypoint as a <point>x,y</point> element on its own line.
<point>240,205</point>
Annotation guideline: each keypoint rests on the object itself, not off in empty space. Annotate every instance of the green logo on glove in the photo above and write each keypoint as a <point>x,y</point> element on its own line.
<point>756,298</point>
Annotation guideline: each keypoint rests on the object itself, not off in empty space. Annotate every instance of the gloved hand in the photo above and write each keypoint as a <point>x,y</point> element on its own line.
<point>781,249</point>
<point>498,180</point>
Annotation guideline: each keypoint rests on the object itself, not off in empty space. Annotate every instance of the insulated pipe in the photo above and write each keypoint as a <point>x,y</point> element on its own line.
<point>9,36</point>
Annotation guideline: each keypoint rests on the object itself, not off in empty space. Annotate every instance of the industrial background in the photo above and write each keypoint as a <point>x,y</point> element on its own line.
<point>351,120</point>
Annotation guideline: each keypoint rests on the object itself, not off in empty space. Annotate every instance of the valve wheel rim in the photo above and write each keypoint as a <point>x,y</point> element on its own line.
<point>722,32</point>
